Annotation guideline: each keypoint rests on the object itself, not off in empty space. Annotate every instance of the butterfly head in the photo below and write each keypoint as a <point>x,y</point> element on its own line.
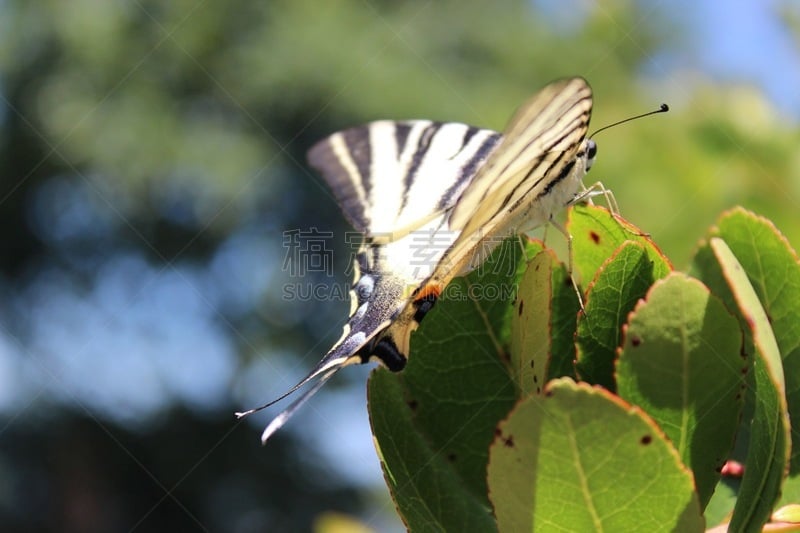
<point>590,153</point>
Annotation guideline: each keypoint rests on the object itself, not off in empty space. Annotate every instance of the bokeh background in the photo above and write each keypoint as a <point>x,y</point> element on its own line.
<point>152,159</point>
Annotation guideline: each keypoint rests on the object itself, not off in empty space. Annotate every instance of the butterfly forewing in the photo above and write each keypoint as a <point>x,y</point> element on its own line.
<point>534,171</point>
<point>540,142</point>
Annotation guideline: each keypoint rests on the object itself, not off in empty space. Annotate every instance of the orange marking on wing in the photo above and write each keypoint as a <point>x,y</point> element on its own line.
<point>434,289</point>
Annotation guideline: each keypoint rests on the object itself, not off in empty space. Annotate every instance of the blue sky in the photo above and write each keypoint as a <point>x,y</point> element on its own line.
<point>742,41</point>
<point>745,41</point>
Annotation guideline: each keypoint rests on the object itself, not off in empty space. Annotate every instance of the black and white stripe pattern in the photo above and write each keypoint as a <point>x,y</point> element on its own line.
<point>534,172</point>
<point>540,149</point>
<point>459,184</point>
<point>391,177</point>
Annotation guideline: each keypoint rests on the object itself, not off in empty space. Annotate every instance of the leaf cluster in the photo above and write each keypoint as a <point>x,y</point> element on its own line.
<point>525,412</point>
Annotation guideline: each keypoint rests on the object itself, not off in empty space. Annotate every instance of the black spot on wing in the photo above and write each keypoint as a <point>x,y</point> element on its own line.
<point>423,306</point>
<point>386,350</point>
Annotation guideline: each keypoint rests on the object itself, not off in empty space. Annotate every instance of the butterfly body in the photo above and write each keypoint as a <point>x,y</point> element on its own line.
<point>428,196</point>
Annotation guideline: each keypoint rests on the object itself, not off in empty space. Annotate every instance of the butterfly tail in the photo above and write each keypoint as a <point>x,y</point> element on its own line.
<point>342,354</point>
<point>287,413</point>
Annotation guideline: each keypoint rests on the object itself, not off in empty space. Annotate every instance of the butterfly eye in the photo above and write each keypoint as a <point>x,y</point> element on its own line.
<point>591,153</point>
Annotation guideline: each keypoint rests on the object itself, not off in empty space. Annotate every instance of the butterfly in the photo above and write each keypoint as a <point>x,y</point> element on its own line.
<point>427,196</point>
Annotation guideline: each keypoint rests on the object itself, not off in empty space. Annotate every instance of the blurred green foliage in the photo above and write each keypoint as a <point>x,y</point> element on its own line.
<point>210,94</point>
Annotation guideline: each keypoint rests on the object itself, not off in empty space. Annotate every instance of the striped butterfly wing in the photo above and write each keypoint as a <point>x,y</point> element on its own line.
<point>392,177</point>
<point>395,183</point>
<point>535,171</point>
<point>441,189</point>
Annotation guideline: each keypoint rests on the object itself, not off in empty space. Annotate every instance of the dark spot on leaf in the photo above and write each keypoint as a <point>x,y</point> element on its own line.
<point>744,370</point>
<point>538,390</point>
<point>635,341</point>
<point>532,363</point>
<point>497,432</point>
<point>521,303</point>
<point>549,393</point>
<point>535,378</point>
<point>595,237</point>
<point>509,442</point>
<point>647,439</point>
<point>451,457</point>
<point>412,404</point>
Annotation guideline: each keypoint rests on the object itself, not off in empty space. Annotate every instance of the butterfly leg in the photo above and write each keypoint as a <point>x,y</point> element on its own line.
<point>597,189</point>
<point>570,263</point>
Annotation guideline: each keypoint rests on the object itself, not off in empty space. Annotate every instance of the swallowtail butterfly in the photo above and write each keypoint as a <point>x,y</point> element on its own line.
<point>443,190</point>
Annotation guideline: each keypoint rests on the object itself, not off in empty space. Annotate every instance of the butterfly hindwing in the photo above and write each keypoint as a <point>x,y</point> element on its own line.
<point>391,177</point>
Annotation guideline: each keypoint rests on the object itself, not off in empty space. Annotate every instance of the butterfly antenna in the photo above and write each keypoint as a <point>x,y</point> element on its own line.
<point>663,109</point>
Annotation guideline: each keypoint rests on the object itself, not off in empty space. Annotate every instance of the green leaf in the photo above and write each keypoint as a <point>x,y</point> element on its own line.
<point>620,282</point>
<point>682,363</point>
<point>565,306</point>
<point>530,326</point>
<point>790,492</point>
<point>596,234</point>
<point>543,326</point>
<point>768,452</point>
<point>579,459</point>
<point>718,509</point>
<point>433,422</point>
<point>774,272</point>
<point>429,492</point>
